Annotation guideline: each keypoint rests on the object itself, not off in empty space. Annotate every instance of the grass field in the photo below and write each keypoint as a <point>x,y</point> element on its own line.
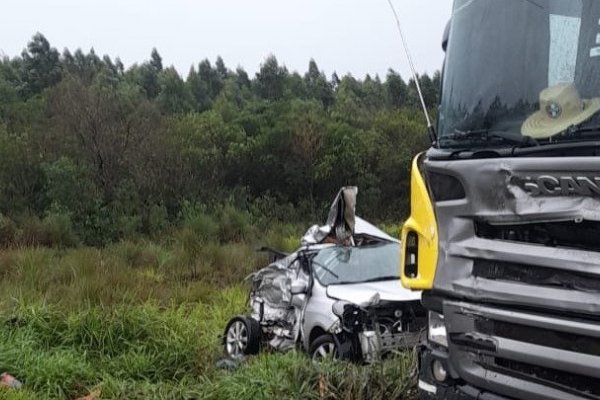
<point>140,320</point>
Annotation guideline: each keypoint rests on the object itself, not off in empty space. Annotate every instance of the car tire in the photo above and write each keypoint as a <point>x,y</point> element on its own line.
<point>323,347</point>
<point>242,337</point>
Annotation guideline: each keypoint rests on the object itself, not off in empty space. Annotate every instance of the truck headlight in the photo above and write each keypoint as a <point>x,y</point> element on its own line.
<point>436,331</point>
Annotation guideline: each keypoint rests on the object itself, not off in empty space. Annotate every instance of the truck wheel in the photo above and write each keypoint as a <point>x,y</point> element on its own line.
<point>323,347</point>
<point>242,337</point>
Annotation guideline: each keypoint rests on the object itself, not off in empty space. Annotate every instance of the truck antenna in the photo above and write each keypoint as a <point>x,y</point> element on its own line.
<point>430,128</point>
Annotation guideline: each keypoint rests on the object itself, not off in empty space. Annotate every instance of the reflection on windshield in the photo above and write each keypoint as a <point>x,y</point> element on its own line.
<point>505,58</point>
<point>564,35</point>
<point>335,265</point>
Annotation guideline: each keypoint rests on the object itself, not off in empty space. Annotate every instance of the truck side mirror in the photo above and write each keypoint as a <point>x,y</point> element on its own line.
<point>446,36</point>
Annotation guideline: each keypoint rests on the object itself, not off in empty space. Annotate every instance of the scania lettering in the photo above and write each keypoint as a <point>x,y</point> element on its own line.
<point>548,185</point>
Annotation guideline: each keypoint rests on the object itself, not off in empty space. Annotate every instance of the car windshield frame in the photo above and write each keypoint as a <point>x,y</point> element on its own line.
<point>493,76</point>
<point>329,263</point>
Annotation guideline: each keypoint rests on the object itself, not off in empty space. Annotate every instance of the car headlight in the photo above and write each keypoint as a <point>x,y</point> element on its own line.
<point>339,307</point>
<point>351,316</point>
<point>436,331</point>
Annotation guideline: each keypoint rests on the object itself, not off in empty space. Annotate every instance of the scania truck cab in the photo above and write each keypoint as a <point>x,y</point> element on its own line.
<point>504,231</point>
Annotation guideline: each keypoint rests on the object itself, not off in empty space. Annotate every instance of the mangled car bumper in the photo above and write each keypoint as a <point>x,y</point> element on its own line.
<point>375,346</point>
<point>381,329</point>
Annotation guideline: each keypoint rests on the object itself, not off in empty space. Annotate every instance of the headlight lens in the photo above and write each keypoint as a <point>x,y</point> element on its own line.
<point>351,316</point>
<point>439,371</point>
<point>437,329</point>
<point>338,308</point>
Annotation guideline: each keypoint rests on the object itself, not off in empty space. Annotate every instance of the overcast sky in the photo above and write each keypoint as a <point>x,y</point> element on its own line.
<point>356,36</point>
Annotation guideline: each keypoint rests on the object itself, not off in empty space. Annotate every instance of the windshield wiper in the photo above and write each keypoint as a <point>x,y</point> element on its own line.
<point>479,143</point>
<point>559,147</point>
<point>576,133</point>
<point>486,135</point>
<point>572,138</point>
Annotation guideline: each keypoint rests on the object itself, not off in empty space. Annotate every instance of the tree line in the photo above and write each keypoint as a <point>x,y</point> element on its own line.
<point>95,151</point>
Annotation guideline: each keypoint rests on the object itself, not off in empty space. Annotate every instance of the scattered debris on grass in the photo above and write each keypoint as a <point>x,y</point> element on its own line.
<point>229,364</point>
<point>9,381</point>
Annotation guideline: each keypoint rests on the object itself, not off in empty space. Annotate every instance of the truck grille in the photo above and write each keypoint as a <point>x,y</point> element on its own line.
<point>534,349</point>
<point>542,337</point>
<point>584,235</point>
<point>534,275</point>
<point>582,385</point>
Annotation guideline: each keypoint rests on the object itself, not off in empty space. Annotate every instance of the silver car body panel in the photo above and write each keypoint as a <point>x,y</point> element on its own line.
<point>360,293</point>
<point>364,228</point>
<point>316,233</point>
<point>318,314</point>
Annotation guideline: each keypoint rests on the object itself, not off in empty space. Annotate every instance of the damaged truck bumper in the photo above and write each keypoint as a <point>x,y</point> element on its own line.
<point>520,354</point>
<point>449,389</point>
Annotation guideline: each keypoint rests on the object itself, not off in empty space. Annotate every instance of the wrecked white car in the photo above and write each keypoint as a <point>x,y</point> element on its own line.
<point>339,295</point>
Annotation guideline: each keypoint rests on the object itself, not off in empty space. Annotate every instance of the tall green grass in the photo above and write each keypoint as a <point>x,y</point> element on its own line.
<point>141,352</point>
<point>64,354</point>
<point>142,320</point>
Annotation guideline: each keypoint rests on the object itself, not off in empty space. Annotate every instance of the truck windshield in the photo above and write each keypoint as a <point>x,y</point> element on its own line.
<point>343,265</point>
<point>519,69</point>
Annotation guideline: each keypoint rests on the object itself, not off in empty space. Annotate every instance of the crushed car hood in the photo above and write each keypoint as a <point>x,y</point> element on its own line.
<point>343,223</point>
<point>358,293</point>
<point>366,228</point>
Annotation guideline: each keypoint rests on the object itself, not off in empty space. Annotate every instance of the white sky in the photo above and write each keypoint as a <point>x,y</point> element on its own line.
<point>356,36</point>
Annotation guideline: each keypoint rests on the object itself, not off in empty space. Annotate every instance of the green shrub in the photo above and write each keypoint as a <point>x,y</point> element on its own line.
<point>8,231</point>
<point>129,226</point>
<point>55,230</point>
<point>284,237</point>
<point>157,220</point>
<point>132,253</point>
<point>234,224</point>
<point>189,248</point>
<point>70,186</point>
<point>32,232</point>
<point>59,230</point>
<point>100,227</point>
<point>199,222</point>
<point>393,230</point>
<point>267,209</point>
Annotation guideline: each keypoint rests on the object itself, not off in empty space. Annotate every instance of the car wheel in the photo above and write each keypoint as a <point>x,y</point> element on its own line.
<point>242,337</point>
<point>323,347</point>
